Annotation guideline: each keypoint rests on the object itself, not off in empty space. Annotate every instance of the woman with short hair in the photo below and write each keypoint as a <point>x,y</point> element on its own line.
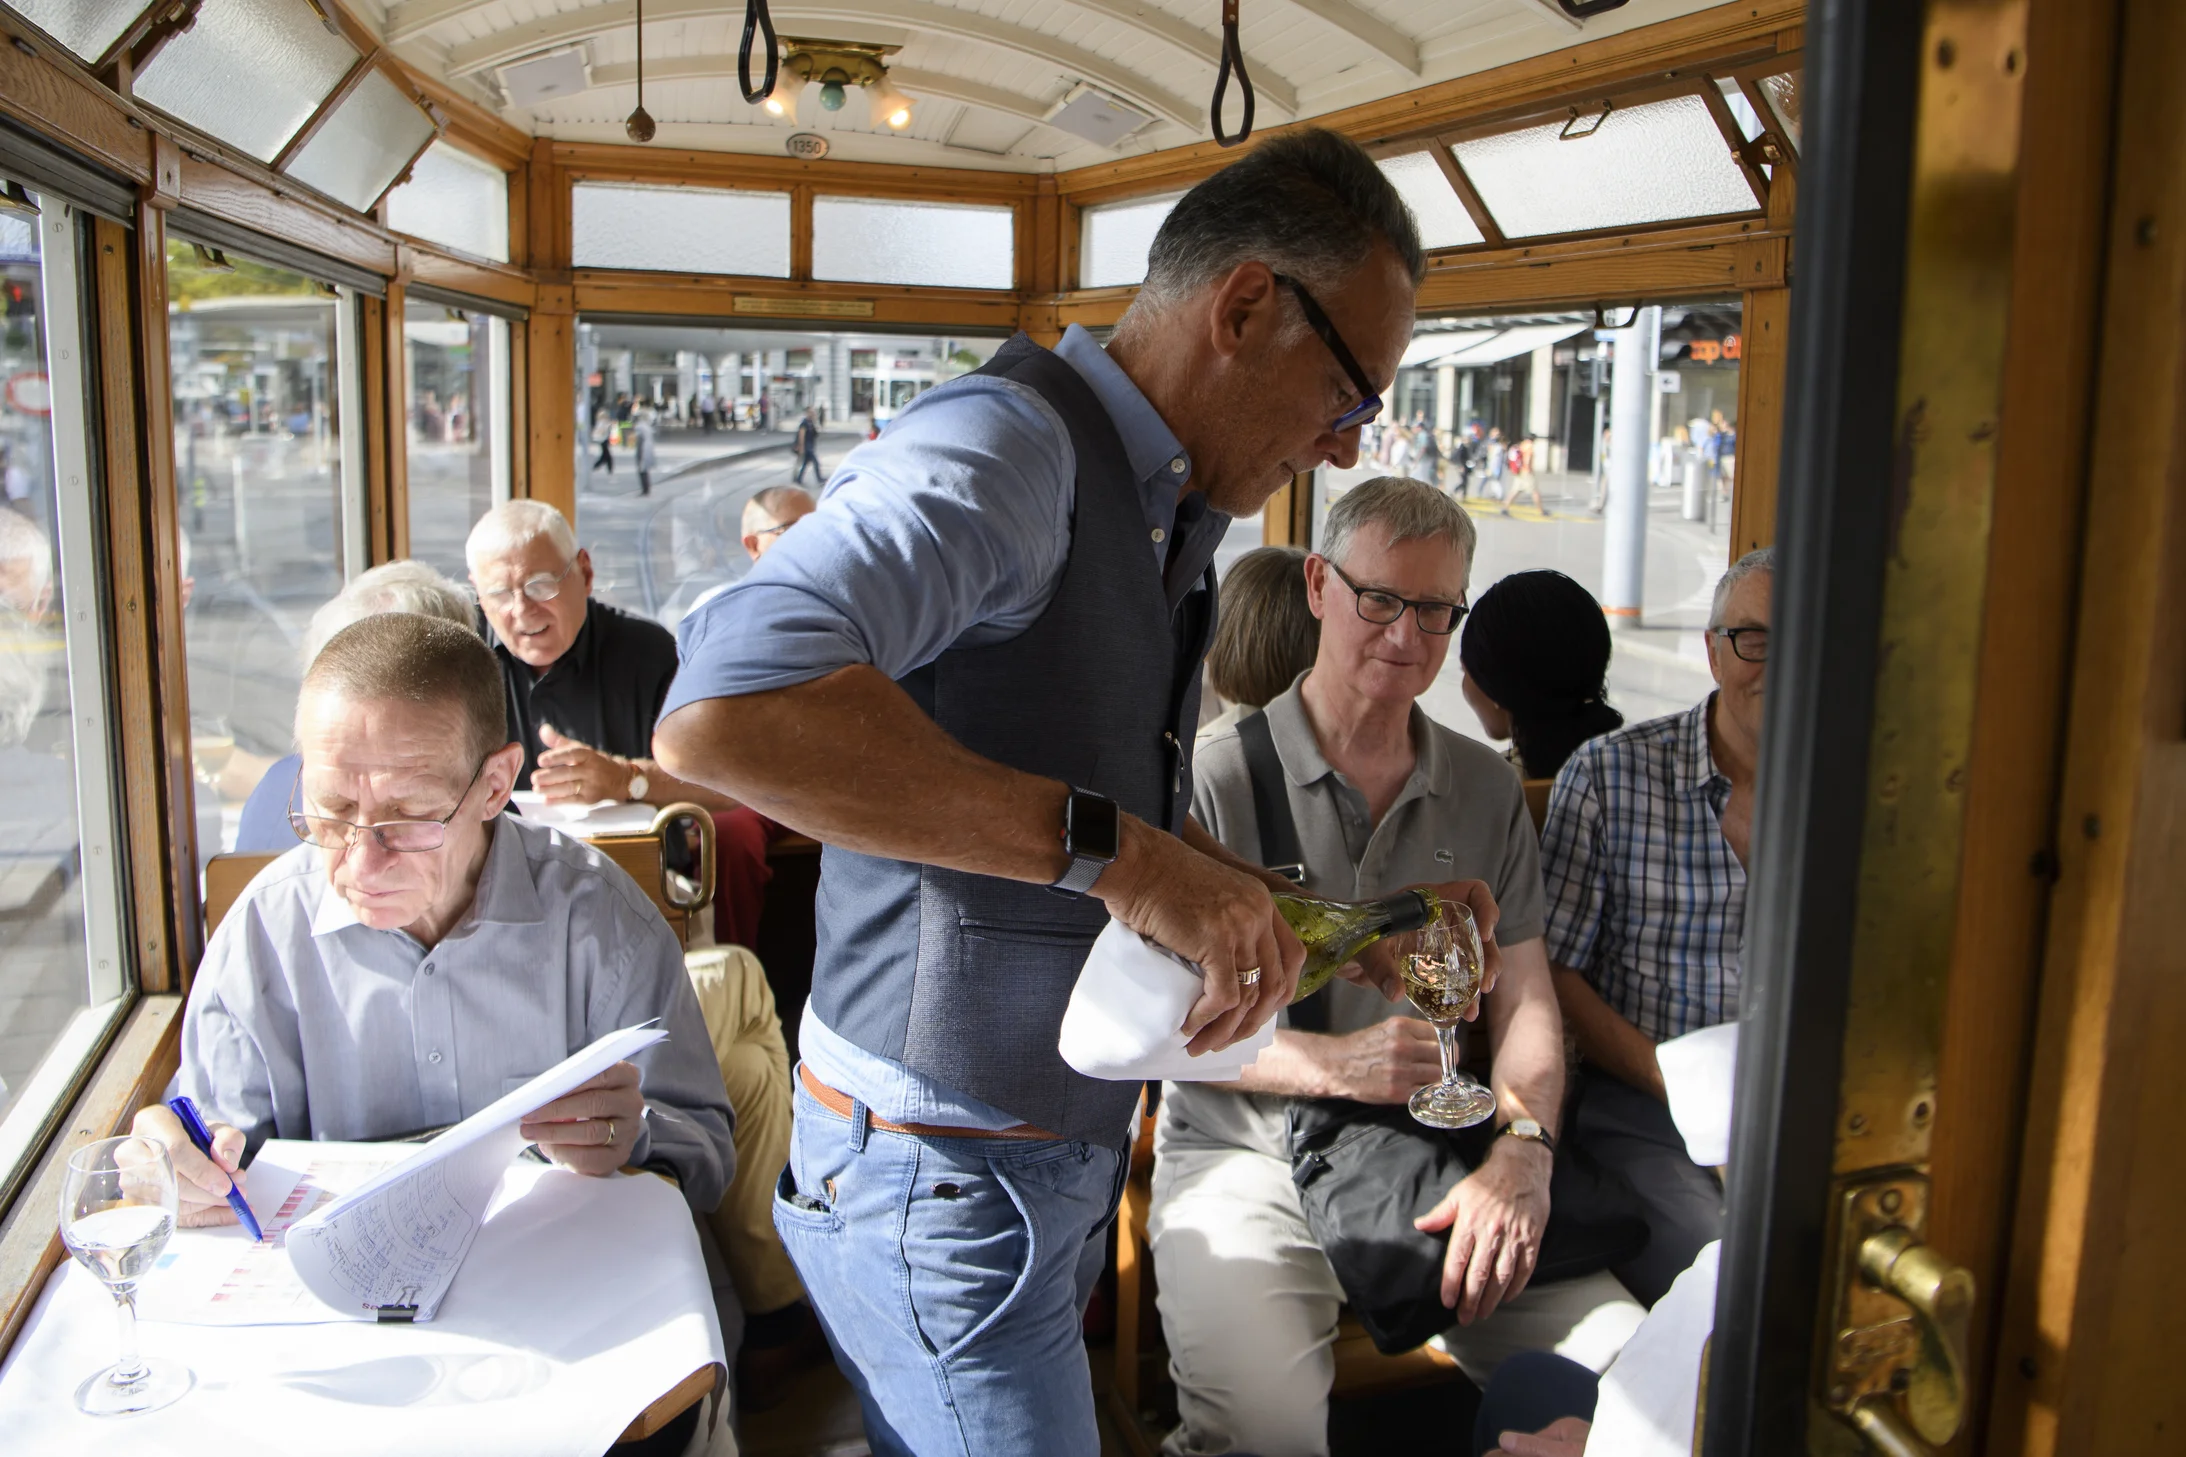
<point>1266,636</point>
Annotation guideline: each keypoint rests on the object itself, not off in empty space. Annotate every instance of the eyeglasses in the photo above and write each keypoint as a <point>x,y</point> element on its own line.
<point>539,587</point>
<point>1436,619</point>
<point>774,530</point>
<point>1369,404</point>
<point>399,837</point>
<point>1750,644</point>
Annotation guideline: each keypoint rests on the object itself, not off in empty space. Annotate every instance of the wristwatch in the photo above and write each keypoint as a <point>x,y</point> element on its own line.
<point>1530,1131</point>
<point>638,785</point>
<point>1092,829</point>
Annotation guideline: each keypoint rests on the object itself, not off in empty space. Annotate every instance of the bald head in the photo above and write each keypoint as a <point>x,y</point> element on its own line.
<point>770,513</point>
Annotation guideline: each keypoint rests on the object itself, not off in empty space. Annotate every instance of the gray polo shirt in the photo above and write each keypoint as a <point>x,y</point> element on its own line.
<point>1460,816</point>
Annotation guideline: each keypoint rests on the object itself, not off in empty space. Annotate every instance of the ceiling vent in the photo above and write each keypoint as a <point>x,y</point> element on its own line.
<point>546,78</point>
<point>1098,118</point>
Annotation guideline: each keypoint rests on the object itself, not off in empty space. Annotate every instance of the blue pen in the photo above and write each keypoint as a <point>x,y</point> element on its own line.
<point>202,1137</point>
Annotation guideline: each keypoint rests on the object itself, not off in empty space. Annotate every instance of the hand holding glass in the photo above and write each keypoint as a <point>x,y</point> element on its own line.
<point>1442,972</point>
<point>118,1208</point>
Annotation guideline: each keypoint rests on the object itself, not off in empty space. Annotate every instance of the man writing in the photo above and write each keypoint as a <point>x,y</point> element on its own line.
<point>421,950</point>
<point>1644,858</point>
<point>972,674</point>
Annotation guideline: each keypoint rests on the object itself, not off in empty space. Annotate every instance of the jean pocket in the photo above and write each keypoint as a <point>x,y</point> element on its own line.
<point>970,1244</point>
<point>802,1210</point>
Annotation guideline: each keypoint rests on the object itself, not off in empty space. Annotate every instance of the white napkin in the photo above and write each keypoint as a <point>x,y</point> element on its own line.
<point>1698,1071</point>
<point>1126,1016</point>
<point>1650,1392</point>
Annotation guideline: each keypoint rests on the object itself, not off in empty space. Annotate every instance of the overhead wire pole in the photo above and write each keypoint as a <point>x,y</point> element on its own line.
<point>1631,443</point>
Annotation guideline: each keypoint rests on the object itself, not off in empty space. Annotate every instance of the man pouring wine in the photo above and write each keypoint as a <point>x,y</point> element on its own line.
<point>972,674</point>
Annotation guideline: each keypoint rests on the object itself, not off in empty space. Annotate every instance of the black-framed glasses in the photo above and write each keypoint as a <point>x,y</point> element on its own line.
<point>1369,404</point>
<point>776,530</point>
<point>1750,644</point>
<point>539,587</point>
<point>399,837</point>
<point>1436,619</point>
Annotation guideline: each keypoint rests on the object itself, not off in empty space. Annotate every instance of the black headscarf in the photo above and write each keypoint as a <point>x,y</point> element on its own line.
<point>1537,644</point>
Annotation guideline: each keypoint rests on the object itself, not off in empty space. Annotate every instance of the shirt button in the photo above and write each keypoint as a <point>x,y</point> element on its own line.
<point>433,1056</point>
<point>428,968</point>
<point>1176,467</point>
<point>1160,535</point>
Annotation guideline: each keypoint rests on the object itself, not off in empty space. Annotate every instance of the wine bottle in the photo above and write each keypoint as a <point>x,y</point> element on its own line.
<point>1334,932</point>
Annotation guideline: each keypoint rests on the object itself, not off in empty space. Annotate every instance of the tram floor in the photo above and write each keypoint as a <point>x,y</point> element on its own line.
<point>820,1419</point>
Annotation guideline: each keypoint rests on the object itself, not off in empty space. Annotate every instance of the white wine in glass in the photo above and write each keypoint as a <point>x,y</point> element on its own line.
<point>1442,973</point>
<point>118,1208</point>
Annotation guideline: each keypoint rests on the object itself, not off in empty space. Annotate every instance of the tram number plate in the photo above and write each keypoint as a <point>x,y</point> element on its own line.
<point>790,306</point>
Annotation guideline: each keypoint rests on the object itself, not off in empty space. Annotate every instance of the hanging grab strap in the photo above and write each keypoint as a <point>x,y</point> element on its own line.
<point>757,19</point>
<point>1233,58</point>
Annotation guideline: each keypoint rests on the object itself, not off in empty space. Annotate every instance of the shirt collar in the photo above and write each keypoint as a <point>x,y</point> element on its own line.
<point>1304,763</point>
<point>1148,443</point>
<point>505,895</point>
<point>1694,762</point>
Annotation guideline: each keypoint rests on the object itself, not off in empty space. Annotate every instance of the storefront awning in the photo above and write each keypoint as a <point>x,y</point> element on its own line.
<point>1428,347</point>
<point>1506,344</point>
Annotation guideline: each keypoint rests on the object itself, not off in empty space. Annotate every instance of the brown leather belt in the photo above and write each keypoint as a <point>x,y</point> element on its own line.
<point>840,1103</point>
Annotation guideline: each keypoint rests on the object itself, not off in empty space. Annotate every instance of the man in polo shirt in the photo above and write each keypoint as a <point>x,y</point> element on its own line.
<point>1383,797</point>
<point>1644,856</point>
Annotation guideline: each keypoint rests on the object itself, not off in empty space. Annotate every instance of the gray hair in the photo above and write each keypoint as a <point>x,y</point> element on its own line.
<point>1309,204</point>
<point>421,660</point>
<point>1761,559</point>
<point>514,525</point>
<point>404,586</point>
<point>1406,510</point>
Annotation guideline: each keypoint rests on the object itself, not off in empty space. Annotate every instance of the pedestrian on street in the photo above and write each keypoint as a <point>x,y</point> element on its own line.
<point>642,425</point>
<point>603,435</point>
<point>806,445</point>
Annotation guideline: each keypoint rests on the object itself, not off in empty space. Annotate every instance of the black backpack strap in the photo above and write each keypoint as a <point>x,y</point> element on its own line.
<point>1279,848</point>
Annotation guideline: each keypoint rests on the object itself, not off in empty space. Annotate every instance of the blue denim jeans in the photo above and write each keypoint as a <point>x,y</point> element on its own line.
<point>951,1275</point>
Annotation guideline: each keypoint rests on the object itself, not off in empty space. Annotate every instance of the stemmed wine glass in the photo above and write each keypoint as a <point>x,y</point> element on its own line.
<point>118,1208</point>
<point>1442,971</point>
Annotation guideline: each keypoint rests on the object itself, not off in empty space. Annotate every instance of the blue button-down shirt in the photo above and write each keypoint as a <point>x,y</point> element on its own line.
<point>304,1022</point>
<point>950,530</point>
<point>1645,896</point>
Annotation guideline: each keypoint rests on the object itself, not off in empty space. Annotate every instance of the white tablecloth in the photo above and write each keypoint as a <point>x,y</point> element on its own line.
<point>582,1302</point>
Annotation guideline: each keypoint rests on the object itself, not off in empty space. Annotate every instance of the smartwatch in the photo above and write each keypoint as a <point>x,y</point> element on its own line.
<point>1092,831</point>
<point>1530,1131</point>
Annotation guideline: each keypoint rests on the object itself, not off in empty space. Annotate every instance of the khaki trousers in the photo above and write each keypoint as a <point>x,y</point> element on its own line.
<point>738,1006</point>
<point>1249,1306</point>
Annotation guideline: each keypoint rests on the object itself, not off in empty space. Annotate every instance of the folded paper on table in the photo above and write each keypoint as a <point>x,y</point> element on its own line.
<point>389,1248</point>
<point>1698,1072</point>
<point>1125,1022</point>
<point>601,817</point>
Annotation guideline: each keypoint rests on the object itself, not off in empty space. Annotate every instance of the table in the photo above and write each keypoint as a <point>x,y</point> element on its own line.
<point>505,1369</point>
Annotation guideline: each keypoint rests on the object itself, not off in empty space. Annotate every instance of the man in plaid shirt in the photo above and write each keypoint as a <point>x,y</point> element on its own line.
<point>1644,860</point>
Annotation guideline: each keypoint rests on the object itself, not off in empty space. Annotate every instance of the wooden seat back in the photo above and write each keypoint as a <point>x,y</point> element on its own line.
<point>1537,801</point>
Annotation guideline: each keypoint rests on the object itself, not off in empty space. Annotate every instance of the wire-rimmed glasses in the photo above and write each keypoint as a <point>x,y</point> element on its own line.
<point>401,837</point>
<point>118,1210</point>
<point>539,587</point>
<point>1443,967</point>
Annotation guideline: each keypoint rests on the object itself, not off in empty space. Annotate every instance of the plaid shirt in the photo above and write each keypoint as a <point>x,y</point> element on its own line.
<point>1644,894</point>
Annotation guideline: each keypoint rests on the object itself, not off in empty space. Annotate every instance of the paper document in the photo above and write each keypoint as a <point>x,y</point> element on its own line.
<point>601,817</point>
<point>391,1245</point>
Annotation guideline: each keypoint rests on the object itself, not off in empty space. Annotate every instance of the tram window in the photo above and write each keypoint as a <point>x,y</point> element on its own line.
<point>250,72</point>
<point>258,470</point>
<point>87,27</point>
<point>1650,163</point>
<point>948,245</point>
<point>455,199</point>
<point>457,430</point>
<point>1115,237</point>
<point>63,976</point>
<point>680,229</point>
<point>1443,221</point>
<point>365,144</point>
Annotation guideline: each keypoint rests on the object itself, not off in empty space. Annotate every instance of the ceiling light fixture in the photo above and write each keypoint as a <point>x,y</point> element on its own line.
<point>891,108</point>
<point>834,67</point>
<point>640,125</point>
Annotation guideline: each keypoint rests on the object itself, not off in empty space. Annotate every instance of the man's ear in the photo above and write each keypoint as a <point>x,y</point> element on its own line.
<point>499,778</point>
<point>1239,304</point>
<point>1316,583</point>
<point>584,564</point>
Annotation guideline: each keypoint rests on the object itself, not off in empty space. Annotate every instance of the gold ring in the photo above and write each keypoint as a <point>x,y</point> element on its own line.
<point>1249,978</point>
<point>610,1133</point>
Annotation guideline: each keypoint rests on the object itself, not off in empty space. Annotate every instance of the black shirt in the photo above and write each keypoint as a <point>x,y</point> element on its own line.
<point>605,691</point>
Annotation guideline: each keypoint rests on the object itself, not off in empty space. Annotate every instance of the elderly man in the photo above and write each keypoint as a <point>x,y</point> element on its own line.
<point>1382,797</point>
<point>1644,855</point>
<point>771,512</point>
<point>973,674</point>
<point>421,950</point>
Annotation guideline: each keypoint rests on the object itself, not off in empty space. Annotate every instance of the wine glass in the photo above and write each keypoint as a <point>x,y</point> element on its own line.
<point>1442,971</point>
<point>118,1207</point>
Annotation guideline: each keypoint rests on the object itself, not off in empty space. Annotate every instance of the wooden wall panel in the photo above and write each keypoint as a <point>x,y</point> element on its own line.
<point>550,368</point>
<point>1764,341</point>
<point>391,421</point>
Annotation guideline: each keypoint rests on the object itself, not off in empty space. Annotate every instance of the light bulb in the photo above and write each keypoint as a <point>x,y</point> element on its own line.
<point>900,117</point>
<point>831,96</point>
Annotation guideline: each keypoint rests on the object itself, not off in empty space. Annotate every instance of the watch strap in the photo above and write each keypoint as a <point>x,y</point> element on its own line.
<point>1539,1135</point>
<point>1079,878</point>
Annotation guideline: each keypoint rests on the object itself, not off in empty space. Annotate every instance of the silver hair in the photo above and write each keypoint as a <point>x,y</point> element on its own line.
<point>1761,559</point>
<point>514,525</point>
<point>1405,509</point>
<point>404,586</point>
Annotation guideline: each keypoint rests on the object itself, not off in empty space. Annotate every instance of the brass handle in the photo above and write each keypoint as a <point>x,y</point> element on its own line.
<point>1876,1418</point>
<point>1941,1295</point>
<point>667,818</point>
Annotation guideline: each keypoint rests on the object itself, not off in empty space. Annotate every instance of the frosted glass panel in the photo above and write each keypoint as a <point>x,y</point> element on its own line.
<point>1783,96</point>
<point>86,27</point>
<point>941,244</point>
<point>364,144</point>
<point>1116,237</point>
<point>455,199</point>
<point>249,71</point>
<point>1443,221</point>
<point>1645,164</point>
<point>680,229</point>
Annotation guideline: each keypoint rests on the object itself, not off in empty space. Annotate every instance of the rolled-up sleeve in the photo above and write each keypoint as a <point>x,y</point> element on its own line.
<point>954,525</point>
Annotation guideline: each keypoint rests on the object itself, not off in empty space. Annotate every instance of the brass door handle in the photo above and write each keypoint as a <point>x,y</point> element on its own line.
<point>1941,1295</point>
<point>700,819</point>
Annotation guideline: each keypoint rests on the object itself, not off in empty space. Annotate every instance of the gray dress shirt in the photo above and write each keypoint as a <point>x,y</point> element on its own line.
<point>305,1023</point>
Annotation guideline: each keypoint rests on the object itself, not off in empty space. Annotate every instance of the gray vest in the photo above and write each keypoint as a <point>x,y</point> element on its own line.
<point>962,977</point>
